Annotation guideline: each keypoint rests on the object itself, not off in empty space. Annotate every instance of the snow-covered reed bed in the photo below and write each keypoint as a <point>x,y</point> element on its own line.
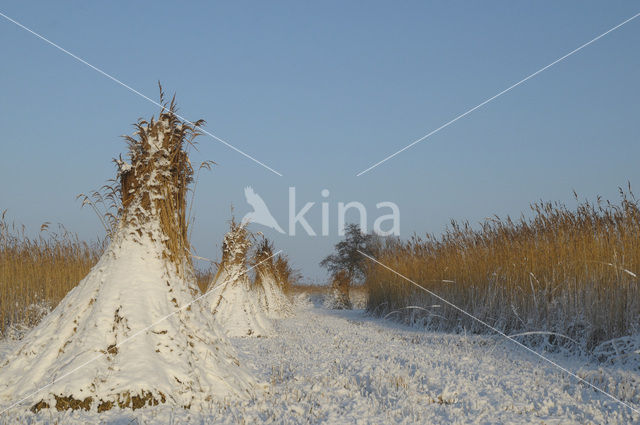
<point>568,271</point>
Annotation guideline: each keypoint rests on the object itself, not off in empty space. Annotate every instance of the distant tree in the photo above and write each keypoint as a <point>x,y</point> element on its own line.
<point>347,259</point>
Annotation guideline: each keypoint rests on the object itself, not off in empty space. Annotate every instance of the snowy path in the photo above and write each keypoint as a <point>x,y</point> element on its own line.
<point>337,367</point>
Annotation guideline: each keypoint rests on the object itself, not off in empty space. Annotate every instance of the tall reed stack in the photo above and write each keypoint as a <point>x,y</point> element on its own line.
<point>130,334</point>
<point>235,250</point>
<point>340,287</point>
<point>234,301</point>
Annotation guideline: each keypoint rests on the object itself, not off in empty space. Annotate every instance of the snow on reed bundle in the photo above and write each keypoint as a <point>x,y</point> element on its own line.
<point>235,248</point>
<point>234,301</point>
<point>155,182</point>
<point>340,291</point>
<point>122,337</point>
<point>273,299</point>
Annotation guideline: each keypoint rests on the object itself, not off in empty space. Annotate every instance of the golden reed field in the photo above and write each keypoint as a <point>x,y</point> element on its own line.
<point>570,271</point>
<point>567,271</point>
<point>39,271</point>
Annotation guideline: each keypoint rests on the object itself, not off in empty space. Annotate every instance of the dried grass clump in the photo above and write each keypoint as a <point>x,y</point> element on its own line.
<point>568,271</point>
<point>278,266</point>
<point>64,403</point>
<point>37,272</point>
<point>246,298</point>
<point>154,184</point>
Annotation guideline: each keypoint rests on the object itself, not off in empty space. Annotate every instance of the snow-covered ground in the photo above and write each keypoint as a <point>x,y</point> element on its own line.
<point>326,366</point>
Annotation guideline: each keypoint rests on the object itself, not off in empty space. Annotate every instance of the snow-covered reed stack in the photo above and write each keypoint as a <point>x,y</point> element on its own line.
<point>124,336</point>
<point>269,282</point>
<point>340,298</point>
<point>234,302</point>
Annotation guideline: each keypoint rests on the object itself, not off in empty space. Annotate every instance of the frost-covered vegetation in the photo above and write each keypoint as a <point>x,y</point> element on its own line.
<point>564,276</point>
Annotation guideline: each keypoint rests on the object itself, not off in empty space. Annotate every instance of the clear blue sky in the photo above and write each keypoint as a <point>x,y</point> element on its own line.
<point>320,92</point>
